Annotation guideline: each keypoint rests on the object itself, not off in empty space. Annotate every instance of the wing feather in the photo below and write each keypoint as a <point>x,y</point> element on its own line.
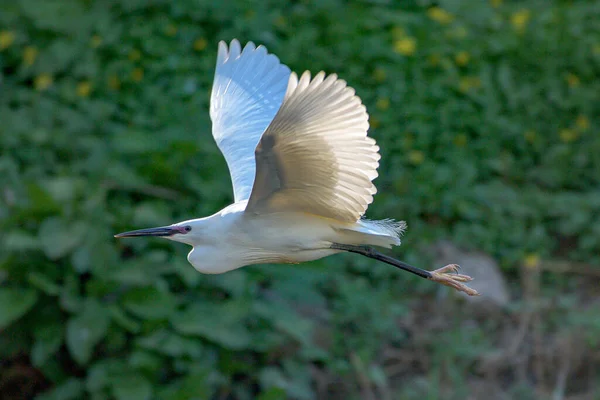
<point>248,89</point>
<point>315,156</point>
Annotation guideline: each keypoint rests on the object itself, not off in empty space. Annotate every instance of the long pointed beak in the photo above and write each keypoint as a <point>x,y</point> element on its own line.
<point>161,231</point>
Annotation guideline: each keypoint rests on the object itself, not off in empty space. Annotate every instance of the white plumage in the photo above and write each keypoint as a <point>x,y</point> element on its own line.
<point>315,156</point>
<point>301,166</point>
<point>247,91</point>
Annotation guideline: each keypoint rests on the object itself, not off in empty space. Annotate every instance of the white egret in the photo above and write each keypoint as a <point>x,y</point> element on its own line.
<point>302,168</point>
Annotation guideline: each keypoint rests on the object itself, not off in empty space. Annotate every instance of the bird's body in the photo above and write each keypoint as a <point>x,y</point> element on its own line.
<point>302,168</point>
<point>239,239</point>
<point>232,238</point>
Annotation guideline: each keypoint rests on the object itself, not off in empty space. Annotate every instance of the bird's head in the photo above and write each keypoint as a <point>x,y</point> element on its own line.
<point>185,232</point>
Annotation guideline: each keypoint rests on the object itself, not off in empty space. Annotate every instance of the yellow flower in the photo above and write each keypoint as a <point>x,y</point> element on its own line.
<point>596,49</point>
<point>383,103</point>
<point>496,3</point>
<point>582,122</point>
<point>135,55</point>
<point>405,46</point>
<point>520,19</point>
<point>137,74</point>
<point>440,15</point>
<point>416,157</point>
<point>200,44</point>
<point>467,83</point>
<point>462,58</point>
<point>379,75</point>
<point>460,140</point>
<point>43,81</point>
<point>531,260</point>
<point>250,14</point>
<point>171,30</point>
<point>113,82</point>
<point>568,135</point>
<point>95,41</point>
<point>29,55</point>
<point>6,39</point>
<point>374,122</point>
<point>573,80</point>
<point>530,136</point>
<point>84,89</point>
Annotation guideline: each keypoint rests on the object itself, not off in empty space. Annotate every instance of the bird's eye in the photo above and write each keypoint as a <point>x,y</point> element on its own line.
<point>187,228</point>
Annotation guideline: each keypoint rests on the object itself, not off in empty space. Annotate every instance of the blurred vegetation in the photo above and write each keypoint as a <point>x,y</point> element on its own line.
<point>487,116</point>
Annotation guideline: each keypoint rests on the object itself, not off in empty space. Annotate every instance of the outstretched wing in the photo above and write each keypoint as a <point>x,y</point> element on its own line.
<point>315,156</point>
<point>247,91</point>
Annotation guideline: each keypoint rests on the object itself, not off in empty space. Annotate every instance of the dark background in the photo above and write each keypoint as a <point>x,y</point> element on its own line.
<point>487,118</point>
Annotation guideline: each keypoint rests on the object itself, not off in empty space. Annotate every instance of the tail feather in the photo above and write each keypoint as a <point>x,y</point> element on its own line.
<point>382,233</point>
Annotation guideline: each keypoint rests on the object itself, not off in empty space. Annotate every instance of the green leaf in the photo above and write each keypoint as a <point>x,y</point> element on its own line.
<point>273,393</point>
<point>44,283</point>
<point>131,387</point>
<point>222,323</point>
<point>71,389</point>
<point>14,303</point>
<point>58,238</point>
<point>146,361</point>
<point>56,15</point>
<point>21,241</point>
<point>287,320</point>
<point>86,329</point>
<point>62,189</point>
<point>97,377</point>
<point>70,298</point>
<point>131,273</point>
<point>273,377</point>
<point>149,302</point>
<point>124,320</point>
<point>81,259</point>
<point>172,344</point>
<point>186,272</point>
<point>41,201</point>
<point>195,385</point>
<point>47,341</point>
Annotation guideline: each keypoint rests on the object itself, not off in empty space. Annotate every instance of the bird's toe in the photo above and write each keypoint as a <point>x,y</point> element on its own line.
<point>448,276</point>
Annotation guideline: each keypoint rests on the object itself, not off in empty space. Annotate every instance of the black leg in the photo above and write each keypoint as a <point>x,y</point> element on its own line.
<point>446,275</point>
<point>372,253</point>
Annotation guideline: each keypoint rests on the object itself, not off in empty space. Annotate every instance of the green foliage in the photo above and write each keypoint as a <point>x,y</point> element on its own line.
<point>487,118</point>
<point>14,303</point>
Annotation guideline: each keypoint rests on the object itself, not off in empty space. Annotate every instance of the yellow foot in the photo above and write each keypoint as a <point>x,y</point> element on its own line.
<point>449,276</point>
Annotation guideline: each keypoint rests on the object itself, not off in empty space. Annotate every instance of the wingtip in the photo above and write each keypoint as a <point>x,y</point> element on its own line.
<point>319,78</point>
<point>222,52</point>
<point>232,51</point>
<point>250,46</point>
<point>235,48</point>
<point>304,80</point>
<point>292,84</point>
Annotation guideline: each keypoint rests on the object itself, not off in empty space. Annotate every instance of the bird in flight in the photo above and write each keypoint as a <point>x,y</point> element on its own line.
<point>302,168</point>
